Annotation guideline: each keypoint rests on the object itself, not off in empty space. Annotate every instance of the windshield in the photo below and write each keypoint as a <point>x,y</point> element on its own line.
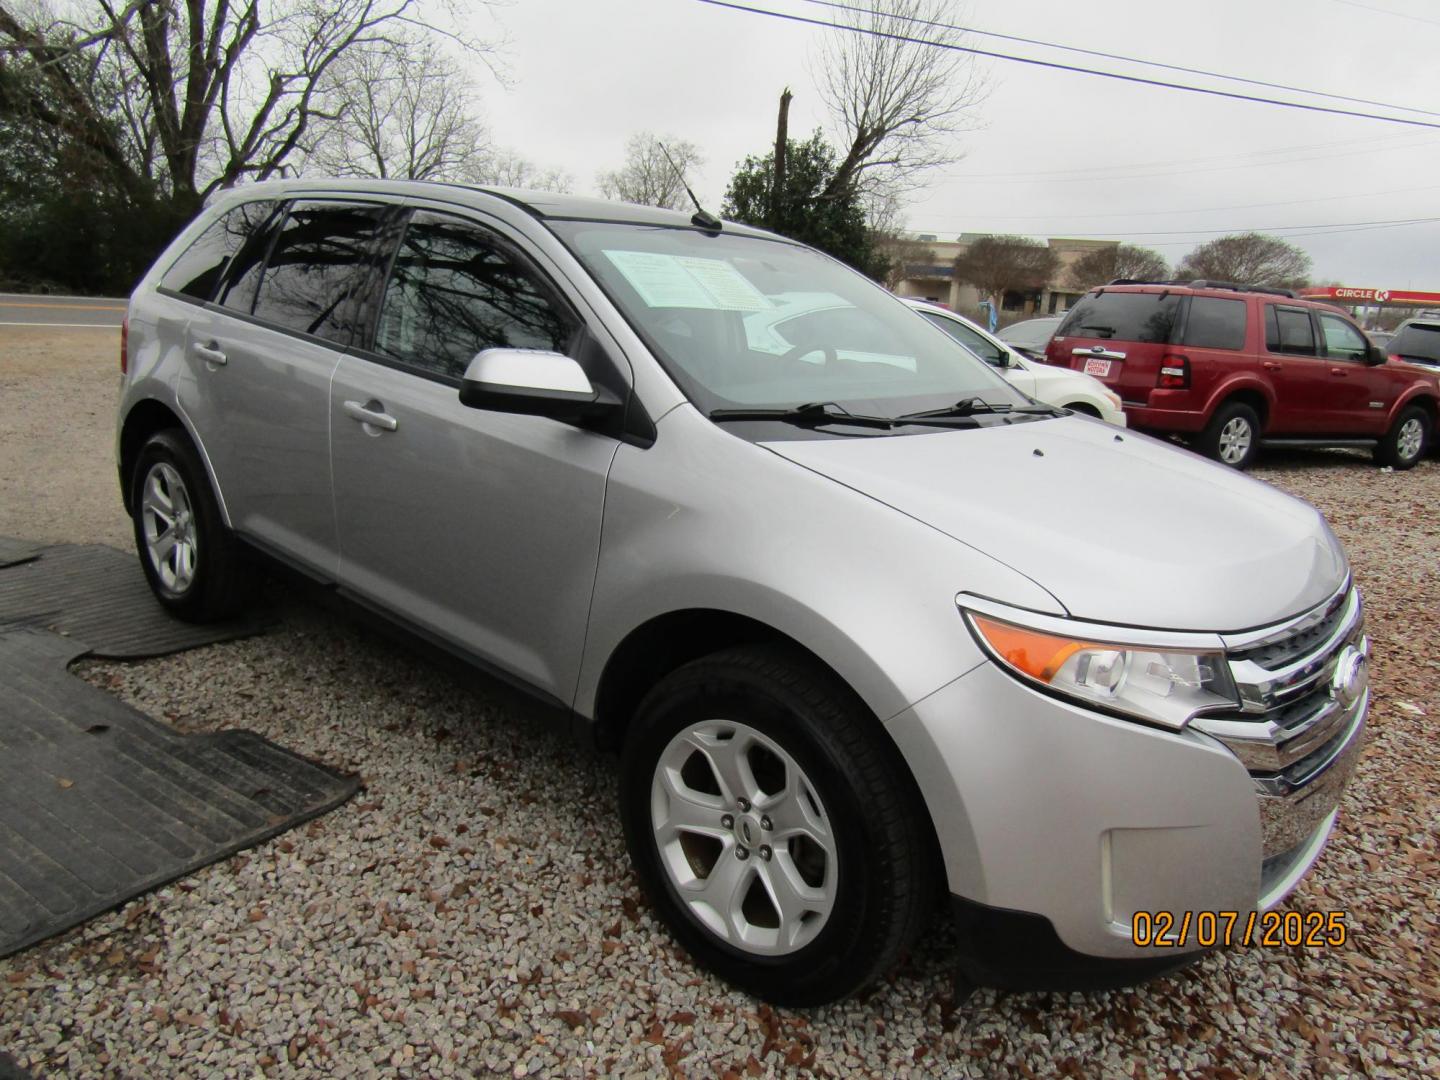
<point>1417,341</point>
<point>746,322</point>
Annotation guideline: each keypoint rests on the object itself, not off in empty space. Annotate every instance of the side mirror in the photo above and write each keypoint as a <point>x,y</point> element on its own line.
<point>1375,355</point>
<point>534,382</point>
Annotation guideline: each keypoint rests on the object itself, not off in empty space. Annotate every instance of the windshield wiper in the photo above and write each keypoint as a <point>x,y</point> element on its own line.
<point>814,412</point>
<point>972,405</point>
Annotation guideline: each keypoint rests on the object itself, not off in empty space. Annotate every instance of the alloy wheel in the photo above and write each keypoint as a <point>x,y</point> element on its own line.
<point>1235,439</point>
<point>1412,434</point>
<point>168,520</point>
<point>744,837</point>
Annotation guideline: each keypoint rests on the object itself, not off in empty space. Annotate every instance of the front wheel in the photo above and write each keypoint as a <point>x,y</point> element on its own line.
<point>774,827</point>
<point>1404,444</point>
<point>194,565</point>
<point>1233,435</point>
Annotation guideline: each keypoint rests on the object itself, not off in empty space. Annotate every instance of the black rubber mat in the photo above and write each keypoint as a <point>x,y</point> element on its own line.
<point>99,595</point>
<point>16,551</point>
<point>99,803</point>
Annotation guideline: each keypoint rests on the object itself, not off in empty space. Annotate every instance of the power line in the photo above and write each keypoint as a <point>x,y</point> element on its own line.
<point>1114,56</point>
<point>1128,168</point>
<point>1326,227</point>
<point>1210,209</point>
<point>1232,95</point>
<point>1387,11</point>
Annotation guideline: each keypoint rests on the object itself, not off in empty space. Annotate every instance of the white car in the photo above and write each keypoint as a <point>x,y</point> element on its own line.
<point>1054,386</point>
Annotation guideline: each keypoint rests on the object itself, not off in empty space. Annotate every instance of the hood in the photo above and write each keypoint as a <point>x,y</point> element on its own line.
<point>1048,373</point>
<point>1120,527</point>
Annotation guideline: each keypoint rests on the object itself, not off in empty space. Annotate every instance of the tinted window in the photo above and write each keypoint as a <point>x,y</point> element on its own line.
<point>1214,323</point>
<point>1416,342</point>
<point>1288,330</point>
<point>1031,334</point>
<point>987,351</point>
<point>197,271</point>
<point>1342,340</point>
<point>317,264</point>
<point>1143,317</point>
<point>456,291</point>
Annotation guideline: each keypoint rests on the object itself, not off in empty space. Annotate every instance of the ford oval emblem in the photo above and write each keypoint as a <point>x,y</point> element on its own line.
<point>1352,676</point>
<point>1097,348</point>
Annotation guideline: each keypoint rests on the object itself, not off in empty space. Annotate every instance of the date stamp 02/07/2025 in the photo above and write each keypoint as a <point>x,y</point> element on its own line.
<point>1268,929</point>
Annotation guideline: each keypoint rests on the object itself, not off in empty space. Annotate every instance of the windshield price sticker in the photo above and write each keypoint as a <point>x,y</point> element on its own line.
<point>666,281</point>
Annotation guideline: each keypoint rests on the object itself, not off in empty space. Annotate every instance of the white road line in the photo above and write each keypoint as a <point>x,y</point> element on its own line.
<point>81,325</point>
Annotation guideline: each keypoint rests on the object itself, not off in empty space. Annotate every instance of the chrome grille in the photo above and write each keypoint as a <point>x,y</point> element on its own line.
<point>1291,727</point>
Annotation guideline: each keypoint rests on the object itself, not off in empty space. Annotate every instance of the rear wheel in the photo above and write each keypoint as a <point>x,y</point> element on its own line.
<point>1404,444</point>
<point>774,827</point>
<point>1233,435</point>
<point>194,565</point>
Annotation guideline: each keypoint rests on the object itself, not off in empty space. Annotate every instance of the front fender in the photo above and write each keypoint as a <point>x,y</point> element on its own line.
<point>706,520</point>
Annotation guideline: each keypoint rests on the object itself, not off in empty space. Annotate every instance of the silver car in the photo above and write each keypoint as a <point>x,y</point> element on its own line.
<point>867,627</point>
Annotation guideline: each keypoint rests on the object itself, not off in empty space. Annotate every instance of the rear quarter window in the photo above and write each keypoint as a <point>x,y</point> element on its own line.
<point>1143,317</point>
<point>200,266</point>
<point>1215,323</point>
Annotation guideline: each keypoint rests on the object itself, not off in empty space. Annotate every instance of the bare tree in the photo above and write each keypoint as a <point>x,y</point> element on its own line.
<point>407,110</point>
<point>1113,261</point>
<point>504,168</point>
<point>997,264</point>
<point>225,92</point>
<point>1248,259</point>
<point>898,104</point>
<point>902,252</point>
<point>647,178</point>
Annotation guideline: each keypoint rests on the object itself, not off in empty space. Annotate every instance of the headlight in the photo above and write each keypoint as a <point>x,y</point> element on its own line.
<point>1152,682</point>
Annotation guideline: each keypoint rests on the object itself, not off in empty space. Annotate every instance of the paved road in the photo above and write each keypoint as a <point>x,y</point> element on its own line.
<point>68,311</point>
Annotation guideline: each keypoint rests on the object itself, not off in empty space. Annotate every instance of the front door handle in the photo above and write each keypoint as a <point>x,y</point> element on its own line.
<point>211,354</point>
<point>372,413</point>
<point>1340,371</point>
<point>1271,365</point>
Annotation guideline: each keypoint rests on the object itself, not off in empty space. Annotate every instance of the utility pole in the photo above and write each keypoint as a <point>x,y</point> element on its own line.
<point>782,142</point>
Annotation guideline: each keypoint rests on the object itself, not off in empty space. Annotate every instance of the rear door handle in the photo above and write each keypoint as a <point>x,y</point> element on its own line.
<point>1271,365</point>
<point>371,414</point>
<point>1340,371</point>
<point>211,354</point>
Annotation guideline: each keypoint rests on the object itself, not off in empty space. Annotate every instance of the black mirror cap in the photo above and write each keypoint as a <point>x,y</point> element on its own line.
<point>1375,356</point>
<point>557,404</point>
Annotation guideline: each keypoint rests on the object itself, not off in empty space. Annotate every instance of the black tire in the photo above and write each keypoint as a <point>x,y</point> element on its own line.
<point>1083,409</point>
<point>1389,452</point>
<point>216,586</point>
<point>885,861</point>
<point>1234,418</point>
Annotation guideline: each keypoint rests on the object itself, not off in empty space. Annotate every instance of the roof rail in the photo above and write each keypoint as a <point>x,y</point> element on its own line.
<point>1202,283</point>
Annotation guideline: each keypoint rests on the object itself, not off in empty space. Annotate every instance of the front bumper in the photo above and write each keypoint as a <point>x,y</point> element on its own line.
<point>1046,808</point>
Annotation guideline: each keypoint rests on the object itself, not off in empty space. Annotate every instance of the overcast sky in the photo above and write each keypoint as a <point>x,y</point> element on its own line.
<point>1053,153</point>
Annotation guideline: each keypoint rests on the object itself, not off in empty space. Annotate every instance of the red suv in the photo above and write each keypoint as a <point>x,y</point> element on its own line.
<point>1227,366</point>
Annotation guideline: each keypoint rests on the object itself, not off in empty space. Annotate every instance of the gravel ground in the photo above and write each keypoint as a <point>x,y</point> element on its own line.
<point>472,911</point>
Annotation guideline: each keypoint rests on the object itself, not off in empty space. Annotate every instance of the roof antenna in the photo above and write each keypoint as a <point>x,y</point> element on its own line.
<point>702,217</point>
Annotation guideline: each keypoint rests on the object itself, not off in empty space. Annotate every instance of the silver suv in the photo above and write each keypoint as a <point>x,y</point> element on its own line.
<point>867,626</point>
